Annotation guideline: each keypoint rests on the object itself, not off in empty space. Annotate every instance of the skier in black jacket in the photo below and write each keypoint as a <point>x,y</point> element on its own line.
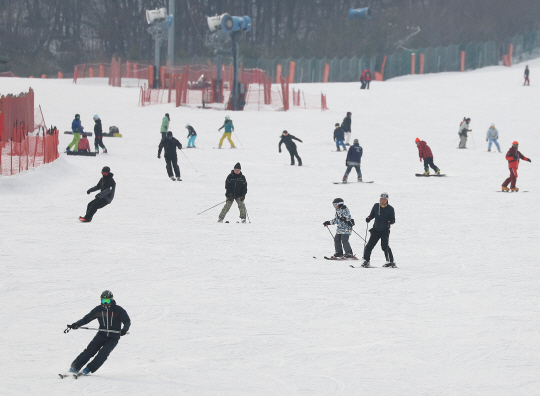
<point>235,190</point>
<point>107,187</point>
<point>171,159</point>
<point>384,216</point>
<point>98,135</point>
<point>110,317</point>
<point>291,146</point>
<point>346,126</point>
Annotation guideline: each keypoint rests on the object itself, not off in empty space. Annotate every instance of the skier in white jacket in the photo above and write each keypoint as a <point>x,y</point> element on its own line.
<point>492,136</point>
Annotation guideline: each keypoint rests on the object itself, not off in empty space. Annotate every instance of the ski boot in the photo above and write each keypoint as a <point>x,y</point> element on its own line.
<point>338,149</point>
<point>105,151</point>
<point>360,180</point>
<point>81,218</point>
<point>350,256</point>
<point>178,178</point>
<point>72,370</point>
<point>292,163</point>
<point>515,189</point>
<point>85,371</point>
<point>366,264</point>
<point>426,173</point>
<point>96,151</point>
<point>390,264</point>
<point>172,178</point>
<point>244,221</point>
<point>220,221</point>
<point>337,256</point>
<point>505,189</point>
<point>438,172</point>
<point>344,180</point>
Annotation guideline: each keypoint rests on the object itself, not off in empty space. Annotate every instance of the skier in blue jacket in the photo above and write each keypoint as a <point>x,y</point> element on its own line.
<point>110,317</point>
<point>354,156</point>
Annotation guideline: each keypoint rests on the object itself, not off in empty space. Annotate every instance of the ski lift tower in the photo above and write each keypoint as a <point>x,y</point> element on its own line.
<point>231,26</point>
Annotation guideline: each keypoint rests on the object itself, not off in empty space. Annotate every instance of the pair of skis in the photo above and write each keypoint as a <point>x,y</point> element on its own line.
<point>342,182</point>
<point>74,375</point>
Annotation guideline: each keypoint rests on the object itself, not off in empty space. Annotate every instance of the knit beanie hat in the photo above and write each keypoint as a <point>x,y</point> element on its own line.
<point>237,166</point>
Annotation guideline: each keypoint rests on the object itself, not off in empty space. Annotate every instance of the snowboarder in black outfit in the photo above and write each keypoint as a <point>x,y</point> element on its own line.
<point>235,190</point>
<point>110,317</point>
<point>343,232</point>
<point>291,146</point>
<point>171,159</point>
<point>354,156</point>
<point>98,135</point>
<point>107,187</point>
<point>384,216</point>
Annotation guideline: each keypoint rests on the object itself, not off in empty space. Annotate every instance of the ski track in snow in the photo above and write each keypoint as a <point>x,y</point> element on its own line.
<point>244,309</point>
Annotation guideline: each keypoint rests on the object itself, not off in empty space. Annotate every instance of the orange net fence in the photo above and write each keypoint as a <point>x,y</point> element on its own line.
<point>21,146</point>
<point>128,74</point>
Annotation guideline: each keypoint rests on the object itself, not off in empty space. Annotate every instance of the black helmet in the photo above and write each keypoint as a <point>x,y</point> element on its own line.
<point>169,134</point>
<point>106,169</point>
<point>337,202</point>
<point>107,294</point>
<point>77,116</point>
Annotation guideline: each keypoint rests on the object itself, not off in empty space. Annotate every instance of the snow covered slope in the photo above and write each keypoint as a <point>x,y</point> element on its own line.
<point>233,309</point>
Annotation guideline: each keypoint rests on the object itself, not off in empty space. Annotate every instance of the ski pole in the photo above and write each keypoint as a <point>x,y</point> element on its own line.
<point>211,207</point>
<point>366,236</point>
<point>330,232</point>
<point>92,328</point>
<point>247,214</point>
<point>473,143</point>
<point>189,161</point>
<point>359,236</point>
<point>238,139</point>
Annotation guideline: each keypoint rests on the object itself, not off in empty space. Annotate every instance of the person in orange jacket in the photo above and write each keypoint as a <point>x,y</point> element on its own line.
<point>84,145</point>
<point>513,156</point>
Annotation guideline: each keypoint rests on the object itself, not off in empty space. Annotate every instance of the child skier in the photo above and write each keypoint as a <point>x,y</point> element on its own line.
<point>384,216</point>
<point>235,190</point>
<point>339,136</point>
<point>229,128</point>
<point>344,227</point>
<point>513,156</point>
<point>291,146</point>
<point>107,187</point>
<point>110,317</point>
<point>192,135</point>
<point>492,136</point>
<point>354,156</point>
<point>425,154</point>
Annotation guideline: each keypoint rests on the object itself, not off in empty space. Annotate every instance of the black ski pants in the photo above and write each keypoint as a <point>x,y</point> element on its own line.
<point>100,344</point>
<point>98,142</point>
<point>373,239</point>
<point>429,162</point>
<point>93,207</point>
<point>172,163</point>
<point>294,153</point>
<point>342,239</point>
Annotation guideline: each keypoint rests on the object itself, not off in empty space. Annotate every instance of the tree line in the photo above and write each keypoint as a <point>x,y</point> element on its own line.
<point>44,36</point>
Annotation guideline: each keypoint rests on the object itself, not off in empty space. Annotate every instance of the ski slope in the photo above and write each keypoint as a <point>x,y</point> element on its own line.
<point>254,309</point>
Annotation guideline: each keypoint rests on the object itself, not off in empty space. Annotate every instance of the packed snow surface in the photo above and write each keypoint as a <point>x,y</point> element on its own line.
<point>254,309</point>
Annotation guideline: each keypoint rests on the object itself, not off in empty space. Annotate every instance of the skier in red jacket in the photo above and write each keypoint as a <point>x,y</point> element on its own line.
<point>513,156</point>
<point>425,154</point>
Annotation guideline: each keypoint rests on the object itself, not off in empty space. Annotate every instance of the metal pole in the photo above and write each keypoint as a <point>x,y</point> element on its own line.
<point>235,74</point>
<point>171,34</point>
<point>219,66</point>
<point>157,57</point>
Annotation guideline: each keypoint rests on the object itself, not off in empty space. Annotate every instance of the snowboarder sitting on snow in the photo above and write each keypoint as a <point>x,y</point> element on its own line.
<point>192,135</point>
<point>171,159</point>
<point>98,135</point>
<point>344,227</point>
<point>513,156</point>
<point>354,156</point>
<point>463,129</point>
<point>77,129</point>
<point>229,129</point>
<point>107,187</point>
<point>291,146</point>
<point>339,136</point>
<point>235,190</point>
<point>492,136</point>
<point>110,317</point>
<point>84,144</point>
<point>384,216</point>
<point>425,154</point>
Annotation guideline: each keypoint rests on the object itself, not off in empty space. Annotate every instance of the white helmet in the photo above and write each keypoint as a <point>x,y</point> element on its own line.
<point>187,125</point>
<point>96,117</point>
<point>227,117</point>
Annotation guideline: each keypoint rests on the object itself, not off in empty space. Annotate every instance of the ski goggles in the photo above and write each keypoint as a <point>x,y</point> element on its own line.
<point>336,204</point>
<point>384,195</point>
<point>105,300</point>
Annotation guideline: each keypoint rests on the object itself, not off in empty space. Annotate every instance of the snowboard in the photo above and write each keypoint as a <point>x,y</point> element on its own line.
<point>109,134</point>
<point>359,266</point>
<point>340,258</point>
<point>422,175</point>
<point>222,148</point>
<point>71,133</point>
<point>353,182</point>
<point>84,154</point>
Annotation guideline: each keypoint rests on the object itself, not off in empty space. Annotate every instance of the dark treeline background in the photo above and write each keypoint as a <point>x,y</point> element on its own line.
<point>44,36</point>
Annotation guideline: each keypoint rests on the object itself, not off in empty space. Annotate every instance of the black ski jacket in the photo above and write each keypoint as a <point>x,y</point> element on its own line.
<point>191,131</point>
<point>339,134</point>
<point>98,129</point>
<point>105,185</point>
<point>109,317</point>
<point>235,185</point>
<point>288,140</point>
<point>346,124</point>
<point>170,146</point>
<point>383,217</point>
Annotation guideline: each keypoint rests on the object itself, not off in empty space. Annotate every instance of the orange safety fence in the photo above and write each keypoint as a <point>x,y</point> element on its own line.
<point>134,73</point>
<point>7,74</point>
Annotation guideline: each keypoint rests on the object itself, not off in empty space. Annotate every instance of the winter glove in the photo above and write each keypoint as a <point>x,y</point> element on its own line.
<point>368,219</point>
<point>528,159</point>
<point>326,223</point>
<point>73,326</point>
<point>88,192</point>
<point>123,332</point>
